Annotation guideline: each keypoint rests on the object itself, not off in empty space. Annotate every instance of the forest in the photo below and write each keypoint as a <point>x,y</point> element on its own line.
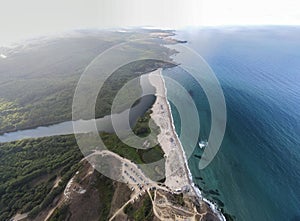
<point>38,82</point>
<point>29,168</point>
<point>37,89</point>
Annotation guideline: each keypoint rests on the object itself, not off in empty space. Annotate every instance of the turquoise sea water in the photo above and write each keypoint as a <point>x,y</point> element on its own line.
<point>256,173</point>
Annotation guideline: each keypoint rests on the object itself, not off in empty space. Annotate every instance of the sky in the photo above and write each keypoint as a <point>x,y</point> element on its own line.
<point>21,19</point>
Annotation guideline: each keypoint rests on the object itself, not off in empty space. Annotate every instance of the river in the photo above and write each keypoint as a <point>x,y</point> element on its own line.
<point>103,124</point>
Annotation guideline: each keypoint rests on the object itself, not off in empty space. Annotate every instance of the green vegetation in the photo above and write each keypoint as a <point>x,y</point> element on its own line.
<point>97,200</point>
<point>11,114</point>
<point>141,211</point>
<point>139,156</point>
<point>38,84</point>
<point>178,199</point>
<point>144,212</point>
<point>41,93</point>
<point>116,81</point>
<point>28,170</point>
<point>60,214</point>
<point>142,129</point>
<point>106,192</point>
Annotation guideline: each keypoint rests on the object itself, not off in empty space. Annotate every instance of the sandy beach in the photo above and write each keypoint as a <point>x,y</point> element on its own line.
<point>178,175</point>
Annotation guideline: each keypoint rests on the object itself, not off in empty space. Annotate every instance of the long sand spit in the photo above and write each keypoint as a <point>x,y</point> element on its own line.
<point>178,175</point>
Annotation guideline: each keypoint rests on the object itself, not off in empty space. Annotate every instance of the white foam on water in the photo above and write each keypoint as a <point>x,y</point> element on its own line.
<point>196,189</point>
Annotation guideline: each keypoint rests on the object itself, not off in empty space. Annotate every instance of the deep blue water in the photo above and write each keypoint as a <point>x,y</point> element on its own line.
<point>256,173</point>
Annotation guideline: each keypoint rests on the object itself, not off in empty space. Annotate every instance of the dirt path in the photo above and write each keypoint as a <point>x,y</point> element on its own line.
<point>121,209</point>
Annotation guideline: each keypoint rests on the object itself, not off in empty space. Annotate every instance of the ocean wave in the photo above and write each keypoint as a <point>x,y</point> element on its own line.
<point>213,207</point>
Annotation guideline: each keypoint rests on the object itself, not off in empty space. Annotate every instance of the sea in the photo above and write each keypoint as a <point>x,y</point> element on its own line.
<point>255,175</point>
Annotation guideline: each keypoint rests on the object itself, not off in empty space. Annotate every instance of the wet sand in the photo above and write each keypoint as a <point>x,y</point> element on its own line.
<point>178,175</point>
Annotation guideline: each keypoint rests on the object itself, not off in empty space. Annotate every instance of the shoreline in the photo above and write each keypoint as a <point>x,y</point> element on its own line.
<point>161,94</point>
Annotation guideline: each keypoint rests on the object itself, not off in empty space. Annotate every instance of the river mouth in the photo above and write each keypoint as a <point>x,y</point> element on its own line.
<point>103,124</point>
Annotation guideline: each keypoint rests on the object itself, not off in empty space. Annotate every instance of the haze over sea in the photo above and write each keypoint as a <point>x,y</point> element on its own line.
<point>256,173</point>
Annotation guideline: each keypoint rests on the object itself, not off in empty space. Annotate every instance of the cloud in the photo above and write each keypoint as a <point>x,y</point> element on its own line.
<point>33,17</point>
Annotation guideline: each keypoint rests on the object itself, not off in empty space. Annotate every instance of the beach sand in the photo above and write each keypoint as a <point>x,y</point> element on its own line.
<point>177,172</point>
<point>178,175</point>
